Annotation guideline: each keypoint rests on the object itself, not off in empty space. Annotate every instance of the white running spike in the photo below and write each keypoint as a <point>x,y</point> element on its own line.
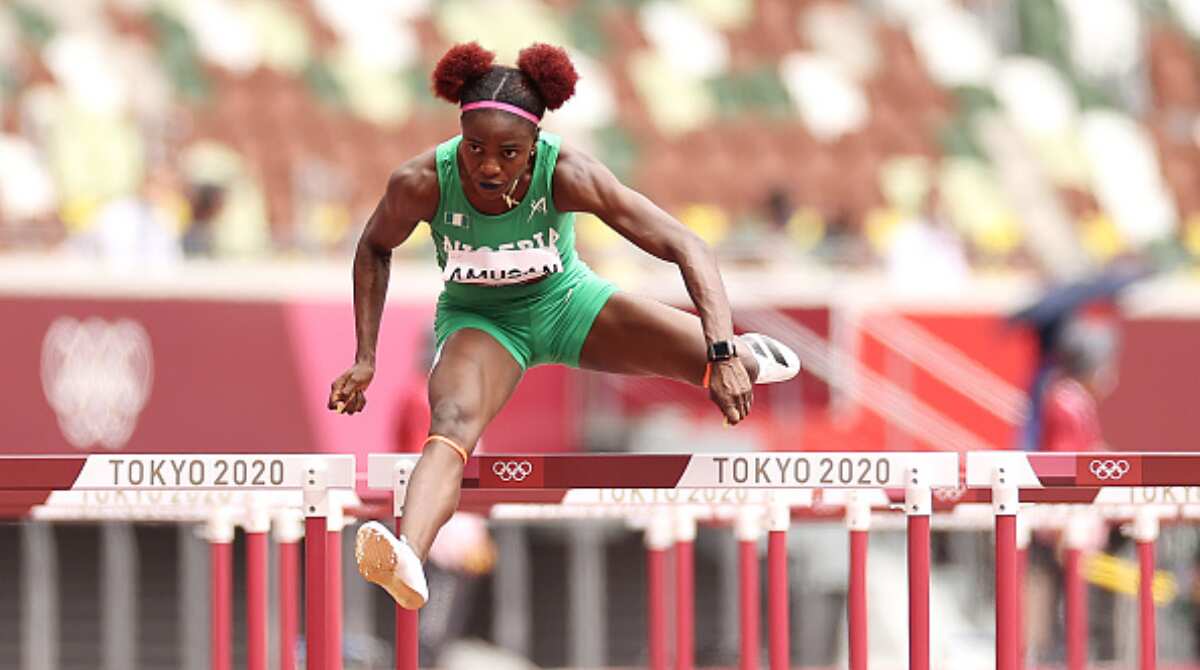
<point>391,563</point>
<point>776,362</point>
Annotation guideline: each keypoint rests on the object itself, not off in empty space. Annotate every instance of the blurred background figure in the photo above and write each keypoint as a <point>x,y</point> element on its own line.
<point>927,252</point>
<point>1054,138</point>
<point>205,202</point>
<point>140,232</point>
<point>1085,373</point>
<point>1075,330</point>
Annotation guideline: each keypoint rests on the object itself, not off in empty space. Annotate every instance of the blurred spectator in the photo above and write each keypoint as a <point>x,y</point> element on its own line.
<point>206,203</point>
<point>140,231</point>
<point>1050,318</point>
<point>1085,372</point>
<point>823,95</point>
<point>926,252</point>
<point>843,243</point>
<point>28,199</point>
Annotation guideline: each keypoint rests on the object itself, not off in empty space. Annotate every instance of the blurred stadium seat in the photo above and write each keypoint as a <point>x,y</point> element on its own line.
<point>848,115</point>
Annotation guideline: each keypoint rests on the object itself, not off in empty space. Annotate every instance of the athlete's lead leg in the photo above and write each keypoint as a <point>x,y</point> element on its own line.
<point>470,383</point>
<point>640,336</point>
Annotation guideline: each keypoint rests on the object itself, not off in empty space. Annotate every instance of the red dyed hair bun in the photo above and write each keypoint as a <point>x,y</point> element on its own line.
<point>461,64</point>
<point>551,71</point>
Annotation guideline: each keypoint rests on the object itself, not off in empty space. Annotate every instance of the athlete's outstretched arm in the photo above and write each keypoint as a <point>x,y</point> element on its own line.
<point>583,184</point>
<point>411,196</point>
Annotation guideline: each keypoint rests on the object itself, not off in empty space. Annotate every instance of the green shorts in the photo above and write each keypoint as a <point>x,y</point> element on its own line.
<point>547,326</point>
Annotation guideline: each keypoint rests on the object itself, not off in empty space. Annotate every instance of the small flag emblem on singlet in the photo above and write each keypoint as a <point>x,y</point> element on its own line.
<point>457,219</point>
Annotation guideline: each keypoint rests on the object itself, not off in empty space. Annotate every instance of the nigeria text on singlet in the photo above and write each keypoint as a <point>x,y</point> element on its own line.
<point>493,257</point>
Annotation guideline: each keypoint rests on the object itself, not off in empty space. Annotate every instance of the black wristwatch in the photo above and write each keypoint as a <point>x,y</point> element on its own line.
<point>722,350</point>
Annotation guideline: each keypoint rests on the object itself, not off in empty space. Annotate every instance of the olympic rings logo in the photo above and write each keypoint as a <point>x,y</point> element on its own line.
<point>948,494</point>
<point>1109,468</point>
<point>512,471</point>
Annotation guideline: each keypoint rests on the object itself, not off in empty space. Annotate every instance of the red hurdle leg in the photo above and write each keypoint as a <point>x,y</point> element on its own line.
<point>1024,535</point>
<point>220,542</point>
<point>408,643</point>
<point>778,641</point>
<point>1075,538</point>
<point>749,525</point>
<point>658,542</point>
<point>408,633</point>
<point>256,526</point>
<point>1004,506</point>
<point>316,592</point>
<point>918,505</point>
<point>316,587</point>
<point>1145,532</point>
<point>288,531</point>
<point>858,520</point>
<point>685,582</point>
<point>333,572</point>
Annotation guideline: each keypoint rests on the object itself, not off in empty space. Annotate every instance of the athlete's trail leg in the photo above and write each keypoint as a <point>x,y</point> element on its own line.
<point>470,383</point>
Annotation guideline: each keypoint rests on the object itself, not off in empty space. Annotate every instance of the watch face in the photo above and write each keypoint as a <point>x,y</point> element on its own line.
<point>720,351</point>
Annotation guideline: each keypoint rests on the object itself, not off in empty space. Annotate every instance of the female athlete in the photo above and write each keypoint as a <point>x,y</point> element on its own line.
<point>499,200</point>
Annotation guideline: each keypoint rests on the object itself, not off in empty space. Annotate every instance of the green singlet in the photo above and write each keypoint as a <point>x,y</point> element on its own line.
<point>515,275</point>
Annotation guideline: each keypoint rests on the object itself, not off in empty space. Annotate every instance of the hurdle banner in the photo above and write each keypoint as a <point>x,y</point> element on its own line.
<point>169,471</point>
<point>1084,470</point>
<point>850,470</point>
<point>758,488</point>
<point>321,481</point>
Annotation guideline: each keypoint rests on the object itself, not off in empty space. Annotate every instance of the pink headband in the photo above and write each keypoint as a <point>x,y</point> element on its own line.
<point>503,106</point>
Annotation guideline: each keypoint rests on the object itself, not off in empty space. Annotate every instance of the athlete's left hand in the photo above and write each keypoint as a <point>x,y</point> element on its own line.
<point>348,393</point>
<point>730,388</point>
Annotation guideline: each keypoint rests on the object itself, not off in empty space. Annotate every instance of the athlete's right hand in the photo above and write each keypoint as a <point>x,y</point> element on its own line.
<point>730,388</point>
<point>348,393</point>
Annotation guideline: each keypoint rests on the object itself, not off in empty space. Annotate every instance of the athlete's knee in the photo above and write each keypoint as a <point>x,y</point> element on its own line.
<point>456,420</point>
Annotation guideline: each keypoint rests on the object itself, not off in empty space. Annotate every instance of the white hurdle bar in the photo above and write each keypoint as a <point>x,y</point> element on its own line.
<point>222,490</point>
<point>581,481</point>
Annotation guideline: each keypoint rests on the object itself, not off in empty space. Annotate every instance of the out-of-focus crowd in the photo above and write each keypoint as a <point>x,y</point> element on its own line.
<point>931,138</point>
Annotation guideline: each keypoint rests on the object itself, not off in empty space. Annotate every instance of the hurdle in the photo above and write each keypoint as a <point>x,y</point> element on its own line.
<point>757,482</point>
<point>221,490</point>
<point>1107,478</point>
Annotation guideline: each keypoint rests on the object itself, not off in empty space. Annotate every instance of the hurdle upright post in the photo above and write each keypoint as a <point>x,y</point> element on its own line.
<point>289,528</point>
<point>408,643</point>
<point>1005,498</point>
<point>1024,537</point>
<point>316,587</point>
<point>333,575</point>
<point>1079,527</point>
<point>858,520</point>
<point>748,526</point>
<point>1145,533</point>
<point>918,505</point>
<point>685,585</point>
<point>779,519</point>
<point>658,542</point>
<point>257,523</point>
<point>220,531</point>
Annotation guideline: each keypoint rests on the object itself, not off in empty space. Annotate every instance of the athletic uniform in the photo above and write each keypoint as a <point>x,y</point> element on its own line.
<point>515,275</point>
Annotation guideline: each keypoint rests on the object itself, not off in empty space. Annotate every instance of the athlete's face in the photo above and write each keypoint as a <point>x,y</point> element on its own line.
<point>495,152</point>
